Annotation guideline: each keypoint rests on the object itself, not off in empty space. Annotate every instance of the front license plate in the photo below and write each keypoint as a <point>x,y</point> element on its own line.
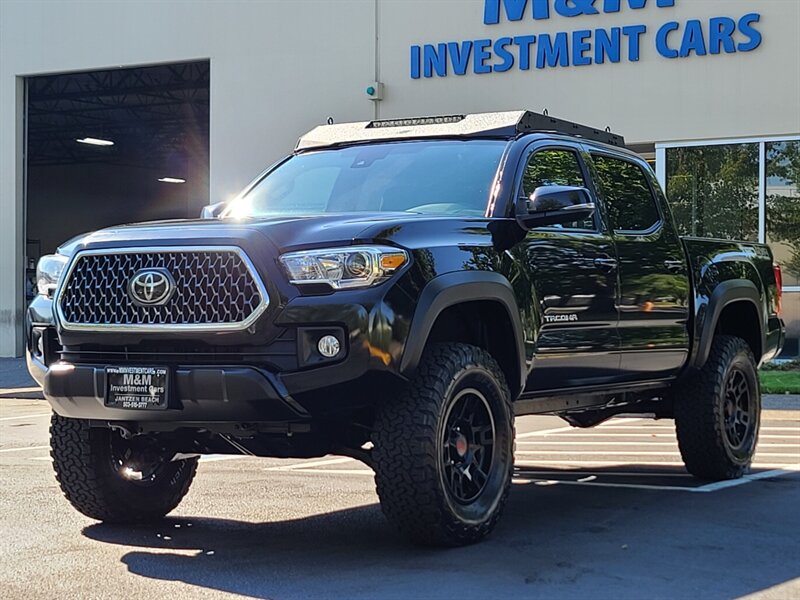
<point>136,387</point>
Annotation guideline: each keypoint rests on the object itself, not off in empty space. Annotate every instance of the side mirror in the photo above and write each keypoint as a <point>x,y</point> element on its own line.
<point>554,205</point>
<point>213,211</point>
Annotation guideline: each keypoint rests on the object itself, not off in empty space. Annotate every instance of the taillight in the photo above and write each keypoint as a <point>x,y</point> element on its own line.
<point>779,285</point>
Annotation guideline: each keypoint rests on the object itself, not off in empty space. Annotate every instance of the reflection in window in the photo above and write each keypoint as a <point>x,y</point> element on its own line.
<point>783,229</point>
<point>555,167</point>
<point>552,167</point>
<point>630,202</point>
<point>713,190</point>
<point>783,207</point>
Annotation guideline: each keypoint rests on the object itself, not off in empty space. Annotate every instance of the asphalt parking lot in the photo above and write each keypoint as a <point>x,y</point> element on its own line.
<point>602,513</point>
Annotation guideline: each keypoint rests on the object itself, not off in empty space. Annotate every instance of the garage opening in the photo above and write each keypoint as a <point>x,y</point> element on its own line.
<point>112,147</point>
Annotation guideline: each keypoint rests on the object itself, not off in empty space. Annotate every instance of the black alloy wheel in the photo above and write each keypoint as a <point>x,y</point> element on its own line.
<point>468,446</point>
<point>737,409</point>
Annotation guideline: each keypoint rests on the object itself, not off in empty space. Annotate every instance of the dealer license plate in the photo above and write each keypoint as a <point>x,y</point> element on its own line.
<point>136,387</point>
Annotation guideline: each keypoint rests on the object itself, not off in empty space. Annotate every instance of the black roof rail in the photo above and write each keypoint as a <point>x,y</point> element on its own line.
<point>478,125</point>
<point>533,122</point>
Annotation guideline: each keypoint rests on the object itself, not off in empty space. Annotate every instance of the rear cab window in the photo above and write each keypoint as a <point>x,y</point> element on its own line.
<point>629,199</point>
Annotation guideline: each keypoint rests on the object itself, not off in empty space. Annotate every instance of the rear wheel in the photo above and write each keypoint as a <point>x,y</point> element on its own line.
<point>718,412</point>
<point>110,478</point>
<point>443,452</point>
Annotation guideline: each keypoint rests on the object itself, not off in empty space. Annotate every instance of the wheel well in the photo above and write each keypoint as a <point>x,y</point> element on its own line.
<point>741,319</point>
<point>485,324</point>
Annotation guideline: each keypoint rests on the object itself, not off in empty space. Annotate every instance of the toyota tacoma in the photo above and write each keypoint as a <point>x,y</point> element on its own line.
<point>398,291</point>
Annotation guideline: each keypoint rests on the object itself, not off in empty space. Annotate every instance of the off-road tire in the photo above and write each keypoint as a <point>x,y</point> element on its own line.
<point>408,455</point>
<point>700,413</point>
<point>83,466</point>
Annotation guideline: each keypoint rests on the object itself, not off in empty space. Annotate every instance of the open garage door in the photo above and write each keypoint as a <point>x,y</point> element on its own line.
<point>111,147</point>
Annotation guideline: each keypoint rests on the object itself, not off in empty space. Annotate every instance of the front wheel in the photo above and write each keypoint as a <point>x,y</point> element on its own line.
<point>117,480</point>
<point>443,453</point>
<point>718,412</point>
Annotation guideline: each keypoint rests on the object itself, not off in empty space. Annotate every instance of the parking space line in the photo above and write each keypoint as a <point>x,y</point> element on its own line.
<point>314,463</point>
<point>567,428</point>
<point>638,486</point>
<point>25,417</point>
<point>25,448</point>
<point>674,444</point>
<point>721,485</point>
<point>607,473</point>
<point>793,455</point>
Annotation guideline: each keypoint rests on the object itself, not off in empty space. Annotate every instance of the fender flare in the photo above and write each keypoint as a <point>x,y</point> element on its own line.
<point>459,287</point>
<point>727,292</point>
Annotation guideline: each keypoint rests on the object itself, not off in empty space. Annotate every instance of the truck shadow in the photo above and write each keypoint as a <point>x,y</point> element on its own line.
<point>553,541</point>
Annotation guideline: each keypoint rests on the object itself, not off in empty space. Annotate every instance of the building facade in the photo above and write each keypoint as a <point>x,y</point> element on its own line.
<point>709,90</point>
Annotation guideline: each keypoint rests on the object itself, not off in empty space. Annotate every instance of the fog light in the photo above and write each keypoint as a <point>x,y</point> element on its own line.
<point>328,346</point>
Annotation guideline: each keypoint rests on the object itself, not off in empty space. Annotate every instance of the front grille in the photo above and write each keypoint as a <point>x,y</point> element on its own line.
<point>215,288</point>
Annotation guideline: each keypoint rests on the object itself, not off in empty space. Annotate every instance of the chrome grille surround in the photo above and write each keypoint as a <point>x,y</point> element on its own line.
<point>218,289</point>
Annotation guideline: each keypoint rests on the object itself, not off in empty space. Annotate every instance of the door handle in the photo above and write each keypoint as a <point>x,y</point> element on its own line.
<point>606,264</point>
<point>674,265</point>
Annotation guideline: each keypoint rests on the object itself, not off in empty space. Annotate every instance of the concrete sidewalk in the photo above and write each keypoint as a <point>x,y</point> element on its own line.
<point>14,376</point>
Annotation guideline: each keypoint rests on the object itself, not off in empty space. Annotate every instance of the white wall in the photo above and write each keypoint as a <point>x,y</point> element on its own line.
<point>277,69</point>
<point>280,67</point>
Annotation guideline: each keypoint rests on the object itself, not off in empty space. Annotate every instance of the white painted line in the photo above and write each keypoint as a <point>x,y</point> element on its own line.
<point>593,434</point>
<point>331,471</point>
<point>610,444</point>
<point>312,464</point>
<point>605,473</point>
<point>711,487</point>
<point>23,449</point>
<point>721,485</point>
<point>793,455</point>
<point>578,464</point>
<point>219,457</point>
<point>543,432</point>
<point>22,390</point>
<point>562,429</point>
<point>638,486</point>
<point>25,417</point>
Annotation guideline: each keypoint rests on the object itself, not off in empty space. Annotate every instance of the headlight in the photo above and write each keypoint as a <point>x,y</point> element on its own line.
<point>48,271</point>
<point>344,268</point>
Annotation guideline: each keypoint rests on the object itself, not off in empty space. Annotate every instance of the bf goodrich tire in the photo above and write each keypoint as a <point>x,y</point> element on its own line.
<point>89,462</point>
<point>443,449</point>
<point>718,412</point>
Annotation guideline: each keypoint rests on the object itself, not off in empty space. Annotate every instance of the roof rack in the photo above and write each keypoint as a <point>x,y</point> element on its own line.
<point>479,125</point>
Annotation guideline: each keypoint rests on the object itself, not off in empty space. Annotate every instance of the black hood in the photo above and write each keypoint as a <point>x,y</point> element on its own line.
<point>284,233</point>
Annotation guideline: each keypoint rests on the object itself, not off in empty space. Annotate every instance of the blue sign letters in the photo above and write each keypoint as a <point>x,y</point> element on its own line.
<point>582,47</point>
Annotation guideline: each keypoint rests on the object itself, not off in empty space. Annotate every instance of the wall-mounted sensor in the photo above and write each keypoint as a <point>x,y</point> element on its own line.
<point>374,90</point>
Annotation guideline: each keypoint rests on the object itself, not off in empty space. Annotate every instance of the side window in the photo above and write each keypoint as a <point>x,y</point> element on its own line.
<point>555,167</point>
<point>628,197</point>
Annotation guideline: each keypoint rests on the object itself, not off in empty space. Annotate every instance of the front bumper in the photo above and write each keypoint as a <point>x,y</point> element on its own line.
<point>198,394</point>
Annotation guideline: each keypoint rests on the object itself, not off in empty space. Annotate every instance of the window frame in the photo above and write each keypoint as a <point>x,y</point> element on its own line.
<point>659,223</point>
<point>544,145</point>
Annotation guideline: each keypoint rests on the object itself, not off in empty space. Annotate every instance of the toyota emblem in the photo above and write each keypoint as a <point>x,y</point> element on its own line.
<point>151,287</point>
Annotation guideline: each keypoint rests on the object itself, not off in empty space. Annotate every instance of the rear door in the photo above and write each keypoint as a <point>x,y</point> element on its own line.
<point>653,272</point>
<point>572,270</point>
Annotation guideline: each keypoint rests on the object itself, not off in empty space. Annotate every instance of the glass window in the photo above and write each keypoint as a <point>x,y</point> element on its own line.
<point>628,196</point>
<point>555,167</point>
<point>552,167</point>
<point>713,190</point>
<point>783,207</point>
<point>433,177</point>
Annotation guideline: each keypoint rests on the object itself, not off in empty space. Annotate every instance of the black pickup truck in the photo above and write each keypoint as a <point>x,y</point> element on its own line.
<point>398,291</point>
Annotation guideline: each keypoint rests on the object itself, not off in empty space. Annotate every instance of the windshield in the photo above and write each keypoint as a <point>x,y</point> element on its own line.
<point>434,177</point>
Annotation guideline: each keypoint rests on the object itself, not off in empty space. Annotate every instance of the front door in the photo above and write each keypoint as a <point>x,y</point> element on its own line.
<point>572,268</point>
